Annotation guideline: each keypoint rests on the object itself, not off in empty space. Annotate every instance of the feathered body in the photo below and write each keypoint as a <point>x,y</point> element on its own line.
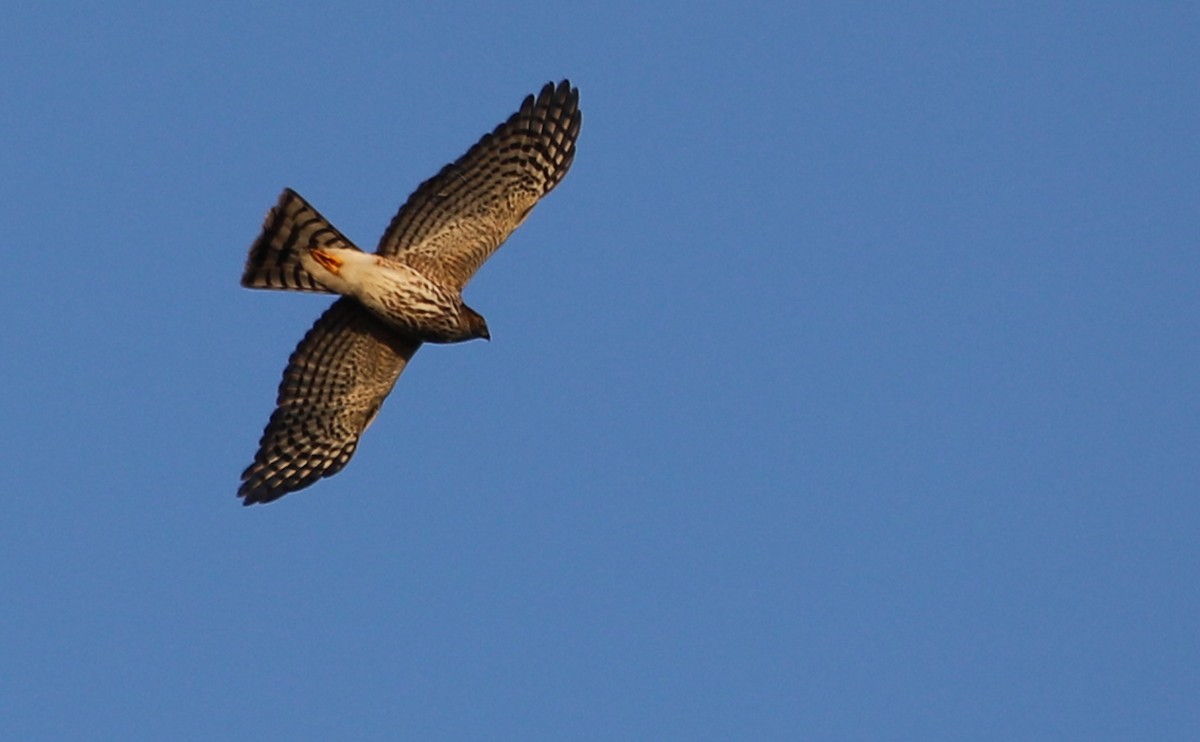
<point>408,292</point>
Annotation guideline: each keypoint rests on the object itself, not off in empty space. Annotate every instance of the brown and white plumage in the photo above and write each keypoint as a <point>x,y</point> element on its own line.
<point>408,292</point>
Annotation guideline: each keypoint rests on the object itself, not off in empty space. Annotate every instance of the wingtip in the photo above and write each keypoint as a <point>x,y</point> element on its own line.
<point>249,495</point>
<point>564,91</point>
<point>560,92</point>
<point>255,496</point>
<point>255,490</point>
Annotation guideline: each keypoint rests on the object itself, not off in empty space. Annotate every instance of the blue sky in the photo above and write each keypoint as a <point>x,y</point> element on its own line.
<point>845,389</point>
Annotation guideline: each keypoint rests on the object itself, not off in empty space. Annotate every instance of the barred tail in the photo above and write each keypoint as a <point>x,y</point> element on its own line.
<point>292,228</point>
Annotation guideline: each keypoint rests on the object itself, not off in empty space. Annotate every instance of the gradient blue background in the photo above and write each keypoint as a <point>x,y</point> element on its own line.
<point>846,389</point>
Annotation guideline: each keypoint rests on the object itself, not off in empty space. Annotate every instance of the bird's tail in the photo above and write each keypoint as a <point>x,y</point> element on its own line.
<point>292,227</point>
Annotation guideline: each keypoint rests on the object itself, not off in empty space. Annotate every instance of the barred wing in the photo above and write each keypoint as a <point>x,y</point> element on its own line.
<point>333,386</point>
<point>455,220</point>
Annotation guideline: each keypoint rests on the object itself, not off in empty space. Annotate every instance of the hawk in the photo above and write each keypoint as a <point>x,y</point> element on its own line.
<point>408,292</point>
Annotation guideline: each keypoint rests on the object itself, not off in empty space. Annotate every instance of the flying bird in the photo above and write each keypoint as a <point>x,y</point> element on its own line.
<point>408,292</point>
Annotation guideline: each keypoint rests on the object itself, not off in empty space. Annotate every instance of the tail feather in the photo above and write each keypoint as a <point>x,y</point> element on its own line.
<point>291,228</point>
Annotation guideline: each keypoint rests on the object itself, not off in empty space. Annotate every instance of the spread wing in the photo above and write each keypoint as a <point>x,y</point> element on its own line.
<point>455,220</point>
<point>333,386</point>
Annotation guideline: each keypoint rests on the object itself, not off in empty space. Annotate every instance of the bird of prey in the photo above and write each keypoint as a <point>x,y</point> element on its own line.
<point>408,292</point>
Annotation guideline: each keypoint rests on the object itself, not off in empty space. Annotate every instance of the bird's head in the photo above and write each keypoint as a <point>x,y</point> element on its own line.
<point>475,323</point>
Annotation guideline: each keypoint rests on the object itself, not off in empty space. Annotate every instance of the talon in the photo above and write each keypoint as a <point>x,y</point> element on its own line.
<point>328,262</point>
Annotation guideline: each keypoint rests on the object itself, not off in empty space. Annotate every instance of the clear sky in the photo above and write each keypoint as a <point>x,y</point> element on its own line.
<point>845,389</point>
